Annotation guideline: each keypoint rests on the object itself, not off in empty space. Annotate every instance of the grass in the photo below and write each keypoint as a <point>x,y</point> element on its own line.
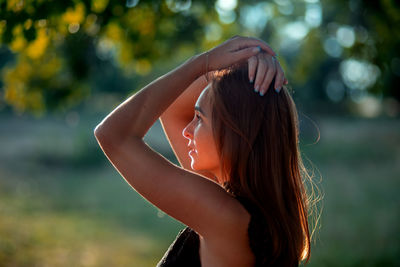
<point>62,203</point>
<point>359,161</point>
<point>58,238</point>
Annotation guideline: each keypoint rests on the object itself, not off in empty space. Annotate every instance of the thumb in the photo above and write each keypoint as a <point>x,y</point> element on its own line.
<point>246,53</point>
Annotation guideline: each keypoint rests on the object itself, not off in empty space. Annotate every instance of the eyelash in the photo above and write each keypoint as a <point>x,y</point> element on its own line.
<point>198,117</point>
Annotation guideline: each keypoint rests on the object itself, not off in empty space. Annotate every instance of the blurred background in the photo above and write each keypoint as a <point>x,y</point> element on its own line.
<point>64,65</point>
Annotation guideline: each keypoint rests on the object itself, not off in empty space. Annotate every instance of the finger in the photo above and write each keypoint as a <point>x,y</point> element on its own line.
<point>252,41</point>
<point>252,62</point>
<point>271,71</point>
<point>245,53</point>
<point>279,79</point>
<point>261,70</point>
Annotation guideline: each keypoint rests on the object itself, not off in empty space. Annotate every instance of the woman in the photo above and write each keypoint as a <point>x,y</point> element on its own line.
<point>239,190</point>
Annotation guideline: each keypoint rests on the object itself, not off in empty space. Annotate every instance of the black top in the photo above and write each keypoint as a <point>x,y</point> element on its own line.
<point>184,251</point>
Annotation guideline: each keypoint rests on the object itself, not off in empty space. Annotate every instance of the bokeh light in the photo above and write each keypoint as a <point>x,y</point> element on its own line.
<point>345,36</point>
<point>313,15</point>
<point>255,17</point>
<point>359,74</point>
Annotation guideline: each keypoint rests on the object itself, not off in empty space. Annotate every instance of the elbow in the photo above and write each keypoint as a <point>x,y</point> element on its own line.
<point>108,139</point>
<point>97,132</point>
<point>101,136</point>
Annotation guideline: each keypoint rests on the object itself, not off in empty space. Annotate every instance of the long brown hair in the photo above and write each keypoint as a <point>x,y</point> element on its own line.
<point>257,140</point>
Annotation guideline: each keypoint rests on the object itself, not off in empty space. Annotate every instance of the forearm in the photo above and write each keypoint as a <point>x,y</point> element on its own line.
<point>183,106</point>
<point>137,114</point>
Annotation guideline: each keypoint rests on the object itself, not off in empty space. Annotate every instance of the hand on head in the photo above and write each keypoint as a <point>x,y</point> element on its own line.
<point>263,65</point>
<point>262,69</point>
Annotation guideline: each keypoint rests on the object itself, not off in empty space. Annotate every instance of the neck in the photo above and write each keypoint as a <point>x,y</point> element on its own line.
<point>218,176</point>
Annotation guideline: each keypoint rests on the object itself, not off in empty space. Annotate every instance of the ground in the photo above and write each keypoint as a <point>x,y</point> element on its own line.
<point>62,203</point>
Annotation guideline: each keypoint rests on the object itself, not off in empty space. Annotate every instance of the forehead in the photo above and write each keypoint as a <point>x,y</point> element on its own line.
<point>202,101</point>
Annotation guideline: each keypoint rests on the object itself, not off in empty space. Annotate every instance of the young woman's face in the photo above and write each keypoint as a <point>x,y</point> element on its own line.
<point>203,151</point>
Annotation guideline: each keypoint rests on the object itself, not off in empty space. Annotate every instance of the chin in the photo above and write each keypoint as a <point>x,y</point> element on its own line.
<point>195,166</point>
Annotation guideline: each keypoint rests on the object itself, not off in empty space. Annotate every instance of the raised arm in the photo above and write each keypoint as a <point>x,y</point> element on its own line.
<point>262,69</point>
<point>197,202</point>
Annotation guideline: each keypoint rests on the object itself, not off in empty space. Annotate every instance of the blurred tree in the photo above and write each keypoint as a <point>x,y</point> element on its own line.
<point>333,51</point>
<point>351,54</point>
<point>58,46</point>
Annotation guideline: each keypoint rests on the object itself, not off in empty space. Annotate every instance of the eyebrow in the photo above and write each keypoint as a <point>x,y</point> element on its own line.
<point>200,110</point>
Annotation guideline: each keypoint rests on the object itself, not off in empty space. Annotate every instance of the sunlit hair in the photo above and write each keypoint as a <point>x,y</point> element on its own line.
<point>257,141</point>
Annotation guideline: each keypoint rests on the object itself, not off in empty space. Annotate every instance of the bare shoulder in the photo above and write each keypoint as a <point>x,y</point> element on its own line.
<point>235,222</point>
<point>242,217</point>
<point>230,247</point>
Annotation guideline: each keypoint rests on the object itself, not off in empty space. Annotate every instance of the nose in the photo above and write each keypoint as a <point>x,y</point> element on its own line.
<point>188,131</point>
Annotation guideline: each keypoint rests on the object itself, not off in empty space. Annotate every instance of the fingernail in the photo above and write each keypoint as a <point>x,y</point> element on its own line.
<point>251,79</point>
<point>278,89</point>
<point>261,93</point>
<point>256,88</point>
<point>257,49</point>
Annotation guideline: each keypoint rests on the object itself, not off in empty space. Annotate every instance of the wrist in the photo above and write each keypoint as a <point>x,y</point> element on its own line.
<point>199,64</point>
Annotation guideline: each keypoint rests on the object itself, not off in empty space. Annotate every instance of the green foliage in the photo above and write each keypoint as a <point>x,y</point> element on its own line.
<point>66,51</point>
<point>56,43</point>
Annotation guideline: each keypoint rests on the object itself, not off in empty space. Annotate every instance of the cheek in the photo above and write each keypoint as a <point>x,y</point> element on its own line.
<point>205,145</point>
<point>201,137</point>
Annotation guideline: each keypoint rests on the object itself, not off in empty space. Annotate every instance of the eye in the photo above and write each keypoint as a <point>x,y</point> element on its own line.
<point>198,117</point>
